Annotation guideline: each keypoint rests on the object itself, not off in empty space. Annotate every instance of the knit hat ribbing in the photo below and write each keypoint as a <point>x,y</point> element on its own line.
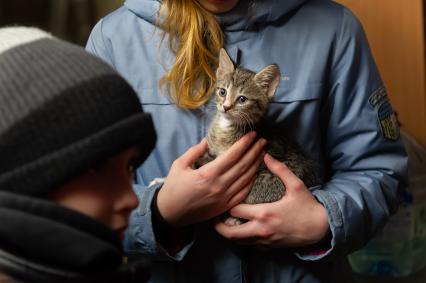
<point>61,110</point>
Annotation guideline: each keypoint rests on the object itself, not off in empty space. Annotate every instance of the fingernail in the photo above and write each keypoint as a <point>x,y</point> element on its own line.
<point>263,142</point>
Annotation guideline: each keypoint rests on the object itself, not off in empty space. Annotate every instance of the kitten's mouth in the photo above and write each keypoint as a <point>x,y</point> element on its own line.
<point>228,115</point>
<point>237,118</point>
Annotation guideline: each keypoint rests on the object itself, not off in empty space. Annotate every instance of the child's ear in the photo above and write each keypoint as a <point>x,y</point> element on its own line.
<point>269,78</point>
<point>226,65</point>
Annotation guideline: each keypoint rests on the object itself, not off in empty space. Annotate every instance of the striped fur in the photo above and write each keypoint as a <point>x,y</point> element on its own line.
<point>236,117</point>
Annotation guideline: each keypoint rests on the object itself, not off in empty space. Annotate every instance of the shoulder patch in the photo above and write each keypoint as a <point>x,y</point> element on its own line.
<point>388,122</point>
<point>386,116</point>
<point>378,97</point>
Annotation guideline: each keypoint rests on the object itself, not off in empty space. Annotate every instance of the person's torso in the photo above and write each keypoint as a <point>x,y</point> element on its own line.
<point>301,43</point>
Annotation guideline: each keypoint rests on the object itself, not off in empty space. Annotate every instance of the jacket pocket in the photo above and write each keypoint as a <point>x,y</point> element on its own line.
<point>295,112</point>
<point>298,93</point>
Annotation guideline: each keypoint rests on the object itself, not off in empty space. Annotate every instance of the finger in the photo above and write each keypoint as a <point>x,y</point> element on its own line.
<point>283,172</point>
<point>241,233</point>
<point>241,195</point>
<point>249,161</point>
<point>226,160</point>
<point>236,183</point>
<point>193,153</point>
<point>246,211</point>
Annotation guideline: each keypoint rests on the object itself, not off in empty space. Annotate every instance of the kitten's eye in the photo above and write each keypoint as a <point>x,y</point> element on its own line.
<point>242,99</point>
<point>222,92</point>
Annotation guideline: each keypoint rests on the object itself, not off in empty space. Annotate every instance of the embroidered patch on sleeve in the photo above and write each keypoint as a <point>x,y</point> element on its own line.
<point>378,97</point>
<point>385,114</point>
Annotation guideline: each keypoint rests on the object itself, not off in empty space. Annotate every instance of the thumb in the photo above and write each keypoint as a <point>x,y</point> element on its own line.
<point>194,153</point>
<point>282,171</point>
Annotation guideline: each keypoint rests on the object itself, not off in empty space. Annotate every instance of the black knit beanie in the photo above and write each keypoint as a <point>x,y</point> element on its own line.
<point>61,110</point>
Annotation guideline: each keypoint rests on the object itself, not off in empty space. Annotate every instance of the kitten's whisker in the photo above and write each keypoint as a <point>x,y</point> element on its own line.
<point>246,120</point>
<point>239,123</point>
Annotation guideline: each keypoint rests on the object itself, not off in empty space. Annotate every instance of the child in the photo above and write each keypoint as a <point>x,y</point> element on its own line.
<point>71,133</point>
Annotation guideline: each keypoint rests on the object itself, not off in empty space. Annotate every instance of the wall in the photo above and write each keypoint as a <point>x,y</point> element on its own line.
<point>395,29</point>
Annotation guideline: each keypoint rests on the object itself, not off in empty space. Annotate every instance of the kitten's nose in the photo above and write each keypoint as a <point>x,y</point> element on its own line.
<point>226,108</point>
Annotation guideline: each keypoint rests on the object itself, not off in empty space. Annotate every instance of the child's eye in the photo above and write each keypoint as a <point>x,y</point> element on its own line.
<point>131,165</point>
<point>242,99</point>
<point>131,171</point>
<point>222,92</point>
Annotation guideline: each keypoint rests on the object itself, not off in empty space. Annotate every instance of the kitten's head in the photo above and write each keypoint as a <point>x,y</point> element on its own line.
<point>242,96</point>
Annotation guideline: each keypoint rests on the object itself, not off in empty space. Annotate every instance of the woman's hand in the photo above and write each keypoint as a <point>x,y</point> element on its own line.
<point>294,221</point>
<point>193,195</point>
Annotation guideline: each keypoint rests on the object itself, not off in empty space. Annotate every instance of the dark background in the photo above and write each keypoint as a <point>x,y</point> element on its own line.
<point>73,20</point>
<point>68,19</point>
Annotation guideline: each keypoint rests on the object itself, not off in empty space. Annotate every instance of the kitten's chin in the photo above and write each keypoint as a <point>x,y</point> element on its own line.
<point>230,117</point>
<point>235,119</point>
<point>240,120</point>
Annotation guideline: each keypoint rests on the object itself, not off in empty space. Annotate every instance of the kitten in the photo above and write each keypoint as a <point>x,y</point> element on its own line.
<point>242,98</point>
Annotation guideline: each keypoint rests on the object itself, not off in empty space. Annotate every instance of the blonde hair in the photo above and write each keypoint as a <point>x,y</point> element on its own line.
<point>195,37</point>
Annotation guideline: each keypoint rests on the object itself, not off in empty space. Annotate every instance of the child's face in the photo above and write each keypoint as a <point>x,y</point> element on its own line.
<point>104,193</point>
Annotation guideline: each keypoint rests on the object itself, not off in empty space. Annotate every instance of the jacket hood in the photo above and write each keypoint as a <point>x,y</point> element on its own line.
<point>244,16</point>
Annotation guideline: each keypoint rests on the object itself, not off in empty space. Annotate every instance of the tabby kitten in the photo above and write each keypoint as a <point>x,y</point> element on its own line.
<point>242,98</point>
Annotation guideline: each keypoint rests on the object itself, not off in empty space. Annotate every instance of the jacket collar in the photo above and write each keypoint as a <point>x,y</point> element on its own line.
<point>41,241</point>
<point>246,15</point>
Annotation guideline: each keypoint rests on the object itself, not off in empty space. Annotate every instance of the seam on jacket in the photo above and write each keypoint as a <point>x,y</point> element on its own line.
<point>142,209</point>
<point>107,51</point>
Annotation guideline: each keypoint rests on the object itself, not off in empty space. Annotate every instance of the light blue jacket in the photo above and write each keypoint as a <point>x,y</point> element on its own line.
<point>330,99</point>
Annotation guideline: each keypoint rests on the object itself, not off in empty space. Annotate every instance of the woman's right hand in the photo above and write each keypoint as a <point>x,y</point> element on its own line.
<point>193,195</point>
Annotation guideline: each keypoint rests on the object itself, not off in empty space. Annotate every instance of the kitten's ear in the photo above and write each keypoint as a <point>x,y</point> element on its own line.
<point>226,65</point>
<point>269,78</point>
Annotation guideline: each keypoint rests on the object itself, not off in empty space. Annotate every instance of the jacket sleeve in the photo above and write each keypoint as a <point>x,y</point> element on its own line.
<point>364,154</point>
<point>140,237</point>
<point>98,45</point>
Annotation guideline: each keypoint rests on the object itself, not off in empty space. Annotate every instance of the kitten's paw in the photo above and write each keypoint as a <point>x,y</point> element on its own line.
<point>232,221</point>
<point>157,181</point>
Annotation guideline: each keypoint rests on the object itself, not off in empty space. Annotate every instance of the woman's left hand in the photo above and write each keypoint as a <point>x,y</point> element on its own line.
<point>296,220</point>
